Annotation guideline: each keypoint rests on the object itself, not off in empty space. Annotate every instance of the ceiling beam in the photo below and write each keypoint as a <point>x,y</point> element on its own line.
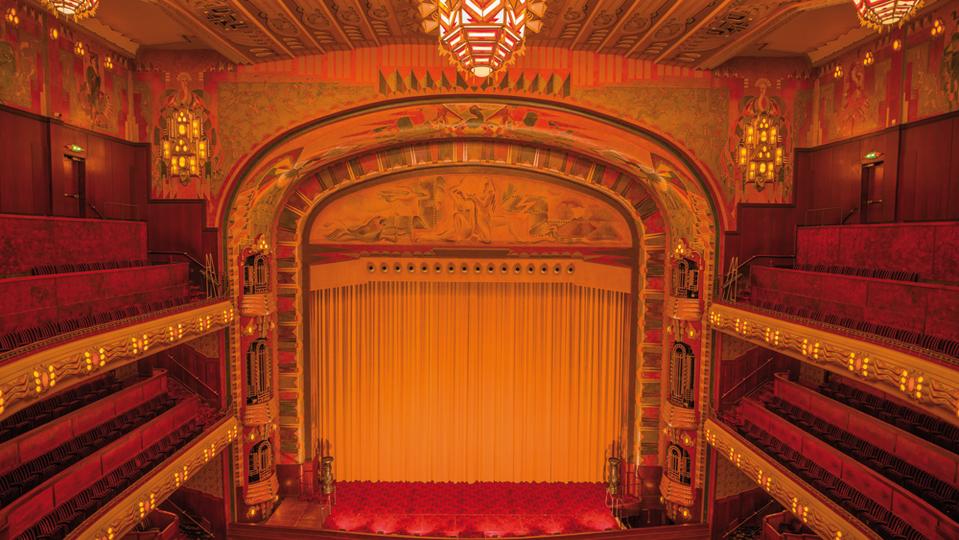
<point>255,21</point>
<point>619,24</point>
<point>694,30</point>
<point>366,22</point>
<point>295,19</point>
<point>185,17</point>
<point>765,26</point>
<point>586,24</point>
<point>328,13</point>
<point>648,36</point>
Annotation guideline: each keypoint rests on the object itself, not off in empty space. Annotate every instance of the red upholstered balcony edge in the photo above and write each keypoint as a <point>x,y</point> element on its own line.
<point>60,488</point>
<point>929,248</point>
<point>897,500</point>
<point>105,327</point>
<point>921,453</point>
<point>31,241</point>
<point>894,344</point>
<point>36,442</point>
<point>240,531</point>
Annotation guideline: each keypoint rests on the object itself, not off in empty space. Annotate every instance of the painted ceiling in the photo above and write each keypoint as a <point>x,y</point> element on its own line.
<point>694,33</point>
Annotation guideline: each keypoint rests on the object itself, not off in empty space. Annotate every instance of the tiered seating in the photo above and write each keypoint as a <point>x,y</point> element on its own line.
<point>877,273</point>
<point>895,285</point>
<point>867,510</point>
<point>24,337</point>
<point>939,494</point>
<point>62,277</point>
<point>58,405</point>
<point>71,514</point>
<point>28,475</point>
<point>909,312</point>
<point>66,268</point>
<point>922,425</point>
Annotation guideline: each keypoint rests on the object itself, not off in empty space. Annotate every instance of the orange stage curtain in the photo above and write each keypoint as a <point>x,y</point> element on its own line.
<point>466,382</point>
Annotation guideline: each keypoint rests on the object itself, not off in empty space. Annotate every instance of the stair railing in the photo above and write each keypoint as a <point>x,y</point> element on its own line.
<point>736,276</point>
<point>184,514</point>
<point>211,281</point>
<point>206,389</point>
<point>723,400</point>
<point>749,518</point>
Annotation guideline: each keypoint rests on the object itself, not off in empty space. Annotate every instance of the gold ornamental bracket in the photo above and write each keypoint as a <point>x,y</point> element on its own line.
<point>818,513</point>
<point>929,385</point>
<point>47,371</point>
<point>120,515</point>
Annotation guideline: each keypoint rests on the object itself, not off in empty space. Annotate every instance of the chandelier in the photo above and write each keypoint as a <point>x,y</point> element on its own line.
<point>883,13</point>
<point>482,36</point>
<point>76,9</point>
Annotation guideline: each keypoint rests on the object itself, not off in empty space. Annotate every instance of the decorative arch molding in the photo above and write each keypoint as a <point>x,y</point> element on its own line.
<point>277,186</point>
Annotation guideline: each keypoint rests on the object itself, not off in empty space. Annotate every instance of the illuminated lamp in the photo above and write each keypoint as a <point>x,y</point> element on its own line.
<point>482,36</point>
<point>881,14</point>
<point>75,9</point>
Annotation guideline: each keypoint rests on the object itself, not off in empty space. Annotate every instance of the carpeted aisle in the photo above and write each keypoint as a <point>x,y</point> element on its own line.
<point>471,510</point>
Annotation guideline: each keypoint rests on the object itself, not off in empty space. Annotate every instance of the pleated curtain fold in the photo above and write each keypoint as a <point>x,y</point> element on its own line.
<point>466,382</point>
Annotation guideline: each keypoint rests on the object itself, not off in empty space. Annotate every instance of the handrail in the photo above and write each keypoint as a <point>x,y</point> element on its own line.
<point>183,513</point>
<point>207,271</point>
<point>747,519</point>
<point>730,284</point>
<point>193,376</point>
<point>744,379</point>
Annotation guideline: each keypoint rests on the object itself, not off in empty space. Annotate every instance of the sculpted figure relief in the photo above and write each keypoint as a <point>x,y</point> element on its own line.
<point>471,209</point>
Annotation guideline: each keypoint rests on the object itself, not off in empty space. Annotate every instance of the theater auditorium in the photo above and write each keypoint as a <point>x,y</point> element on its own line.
<point>440,269</point>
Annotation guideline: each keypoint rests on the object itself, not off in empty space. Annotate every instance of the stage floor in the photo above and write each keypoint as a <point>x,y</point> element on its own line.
<point>484,509</point>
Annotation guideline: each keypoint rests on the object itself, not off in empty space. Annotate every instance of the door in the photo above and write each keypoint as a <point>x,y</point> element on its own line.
<point>73,201</point>
<point>870,198</point>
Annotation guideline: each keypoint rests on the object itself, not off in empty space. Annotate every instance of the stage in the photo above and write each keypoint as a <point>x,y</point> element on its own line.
<point>476,510</point>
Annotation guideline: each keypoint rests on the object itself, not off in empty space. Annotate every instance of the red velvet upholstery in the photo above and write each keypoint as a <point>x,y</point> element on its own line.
<point>928,457</point>
<point>34,443</point>
<point>34,301</point>
<point>62,487</point>
<point>931,249</point>
<point>28,241</point>
<point>904,504</point>
<point>920,307</point>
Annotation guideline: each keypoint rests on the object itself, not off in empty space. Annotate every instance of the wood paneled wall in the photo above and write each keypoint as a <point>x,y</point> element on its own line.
<point>35,172</point>
<point>920,169</point>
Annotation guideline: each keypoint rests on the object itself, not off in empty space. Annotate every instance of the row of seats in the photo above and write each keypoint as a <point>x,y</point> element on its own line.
<point>876,273</point>
<point>22,338</point>
<point>66,268</point>
<point>946,346</point>
<point>56,406</point>
<point>924,426</point>
<point>874,515</point>
<point>934,491</point>
<point>68,516</point>
<point>19,481</point>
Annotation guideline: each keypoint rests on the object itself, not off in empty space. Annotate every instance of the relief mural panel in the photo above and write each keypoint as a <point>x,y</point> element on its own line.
<point>470,209</point>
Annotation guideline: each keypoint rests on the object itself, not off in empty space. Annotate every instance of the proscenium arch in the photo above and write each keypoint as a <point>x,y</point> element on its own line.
<point>636,254</point>
<point>266,188</point>
<point>244,169</point>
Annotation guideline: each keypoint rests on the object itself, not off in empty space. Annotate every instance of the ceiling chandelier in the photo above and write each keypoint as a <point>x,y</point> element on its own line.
<point>482,36</point>
<point>882,14</point>
<point>75,9</point>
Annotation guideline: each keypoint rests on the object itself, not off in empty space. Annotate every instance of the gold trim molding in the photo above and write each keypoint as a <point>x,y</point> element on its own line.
<point>928,384</point>
<point>125,511</point>
<point>57,368</point>
<point>818,513</point>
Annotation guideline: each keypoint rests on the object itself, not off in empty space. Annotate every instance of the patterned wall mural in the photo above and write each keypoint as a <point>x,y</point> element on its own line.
<point>903,75</point>
<point>49,68</point>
